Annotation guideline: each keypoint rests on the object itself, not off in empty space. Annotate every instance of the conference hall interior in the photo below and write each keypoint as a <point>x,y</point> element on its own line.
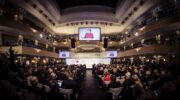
<point>89,49</point>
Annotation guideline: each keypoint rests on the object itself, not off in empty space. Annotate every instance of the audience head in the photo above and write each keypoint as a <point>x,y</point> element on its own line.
<point>53,85</point>
<point>34,80</point>
<point>113,78</point>
<point>148,72</point>
<point>128,75</point>
<point>53,75</point>
<point>135,77</point>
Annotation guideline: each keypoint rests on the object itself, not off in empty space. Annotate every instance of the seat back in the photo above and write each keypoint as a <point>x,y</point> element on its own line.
<point>67,92</point>
<point>47,88</point>
<point>117,79</point>
<point>100,76</point>
<point>115,92</point>
<point>132,86</point>
<point>121,81</point>
<point>107,82</point>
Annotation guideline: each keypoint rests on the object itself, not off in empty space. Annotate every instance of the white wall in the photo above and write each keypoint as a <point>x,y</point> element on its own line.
<point>88,61</point>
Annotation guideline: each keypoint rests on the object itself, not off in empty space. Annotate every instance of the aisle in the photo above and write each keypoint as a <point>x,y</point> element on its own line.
<point>90,89</point>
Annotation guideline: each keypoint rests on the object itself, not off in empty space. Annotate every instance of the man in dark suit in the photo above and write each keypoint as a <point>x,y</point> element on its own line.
<point>114,83</point>
<point>54,94</point>
<point>70,84</point>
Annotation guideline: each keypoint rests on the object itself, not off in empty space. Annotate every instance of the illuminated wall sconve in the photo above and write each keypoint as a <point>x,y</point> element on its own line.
<point>164,60</point>
<point>136,34</point>
<point>33,61</point>
<point>34,30</point>
<point>41,35</point>
<point>132,45</point>
<point>142,41</point>
<point>121,42</point>
<point>47,46</point>
<point>44,61</point>
<point>137,49</point>
<point>37,50</point>
<point>141,29</point>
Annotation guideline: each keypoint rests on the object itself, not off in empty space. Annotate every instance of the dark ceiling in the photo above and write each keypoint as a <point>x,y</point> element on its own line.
<point>63,4</point>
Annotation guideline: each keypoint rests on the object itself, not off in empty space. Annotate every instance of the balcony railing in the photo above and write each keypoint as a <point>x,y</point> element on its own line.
<point>22,50</point>
<point>151,49</point>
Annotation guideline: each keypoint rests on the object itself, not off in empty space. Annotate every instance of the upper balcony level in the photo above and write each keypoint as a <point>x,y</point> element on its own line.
<point>22,50</point>
<point>167,26</point>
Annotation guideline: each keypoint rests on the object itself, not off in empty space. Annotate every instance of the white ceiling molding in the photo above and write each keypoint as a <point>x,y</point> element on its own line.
<point>53,8</point>
<point>39,5</point>
<point>129,9</point>
<point>140,11</point>
<point>122,8</point>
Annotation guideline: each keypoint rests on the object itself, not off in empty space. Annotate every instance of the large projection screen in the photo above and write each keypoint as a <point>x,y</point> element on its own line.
<point>88,62</point>
<point>89,33</point>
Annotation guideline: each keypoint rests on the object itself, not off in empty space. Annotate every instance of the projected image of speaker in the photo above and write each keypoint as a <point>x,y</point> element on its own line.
<point>105,42</point>
<point>73,43</point>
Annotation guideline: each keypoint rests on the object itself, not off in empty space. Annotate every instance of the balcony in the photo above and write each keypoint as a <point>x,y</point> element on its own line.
<point>163,25</point>
<point>21,50</point>
<point>151,49</point>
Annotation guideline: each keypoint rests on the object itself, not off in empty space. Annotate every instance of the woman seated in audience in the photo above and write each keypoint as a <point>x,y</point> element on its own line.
<point>70,84</point>
<point>106,78</point>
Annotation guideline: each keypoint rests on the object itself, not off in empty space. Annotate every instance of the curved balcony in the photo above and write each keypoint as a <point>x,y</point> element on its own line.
<point>21,50</point>
<point>19,28</point>
<point>151,49</point>
<point>166,24</point>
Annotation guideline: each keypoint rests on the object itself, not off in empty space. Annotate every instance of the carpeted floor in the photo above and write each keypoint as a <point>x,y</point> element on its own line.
<point>90,89</point>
